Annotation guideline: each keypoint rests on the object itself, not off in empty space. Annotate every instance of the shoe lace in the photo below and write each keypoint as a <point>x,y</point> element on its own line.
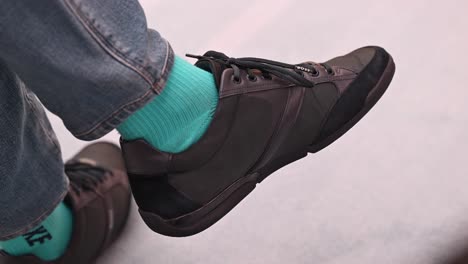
<point>293,73</point>
<point>84,177</point>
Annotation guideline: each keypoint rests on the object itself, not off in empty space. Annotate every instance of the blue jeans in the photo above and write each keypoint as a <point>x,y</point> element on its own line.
<point>92,63</point>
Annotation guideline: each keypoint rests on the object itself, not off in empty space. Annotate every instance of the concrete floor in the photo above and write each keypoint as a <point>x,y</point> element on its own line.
<point>393,190</point>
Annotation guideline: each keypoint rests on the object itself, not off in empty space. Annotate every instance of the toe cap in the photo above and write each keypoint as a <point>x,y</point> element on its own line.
<point>369,63</point>
<point>358,60</point>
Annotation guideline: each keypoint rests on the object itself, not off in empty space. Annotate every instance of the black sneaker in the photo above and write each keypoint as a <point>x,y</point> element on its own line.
<point>100,199</point>
<point>269,115</point>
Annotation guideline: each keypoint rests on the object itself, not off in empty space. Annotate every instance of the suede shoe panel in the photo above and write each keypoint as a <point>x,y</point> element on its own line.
<point>354,97</point>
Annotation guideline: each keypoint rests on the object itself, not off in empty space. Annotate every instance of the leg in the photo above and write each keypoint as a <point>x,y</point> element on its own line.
<point>31,166</point>
<point>92,63</point>
<point>36,223</point>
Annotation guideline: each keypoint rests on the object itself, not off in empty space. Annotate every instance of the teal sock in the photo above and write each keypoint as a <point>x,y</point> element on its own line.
<point>180,115</point>
<point>48,241</point>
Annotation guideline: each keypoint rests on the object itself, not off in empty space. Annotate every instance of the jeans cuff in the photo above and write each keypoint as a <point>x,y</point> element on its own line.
<point>123,112</point>
<point>25,229</point>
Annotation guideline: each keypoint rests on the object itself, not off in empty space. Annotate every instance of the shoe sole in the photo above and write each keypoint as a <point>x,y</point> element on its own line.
<point>204,217</point>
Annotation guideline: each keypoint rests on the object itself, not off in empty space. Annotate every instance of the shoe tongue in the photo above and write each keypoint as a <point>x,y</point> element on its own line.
<point>216,68</point>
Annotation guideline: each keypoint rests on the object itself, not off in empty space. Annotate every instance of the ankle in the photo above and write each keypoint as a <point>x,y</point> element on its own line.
<point>179,116</point>
<point>47,241</point>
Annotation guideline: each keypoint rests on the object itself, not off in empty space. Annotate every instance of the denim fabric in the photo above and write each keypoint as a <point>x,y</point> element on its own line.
<point>32,178</point>
<point>92,63</point>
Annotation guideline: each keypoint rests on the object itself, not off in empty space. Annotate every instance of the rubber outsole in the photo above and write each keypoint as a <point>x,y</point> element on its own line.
<point>209,214</point>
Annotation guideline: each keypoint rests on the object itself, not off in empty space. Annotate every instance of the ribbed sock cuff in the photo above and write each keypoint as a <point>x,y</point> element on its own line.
<point>180,115</point>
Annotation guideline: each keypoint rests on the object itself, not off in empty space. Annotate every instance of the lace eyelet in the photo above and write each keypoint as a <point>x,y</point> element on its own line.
<point>252,78</point>
<point>316,73</point>
<point>331,72</point>
<point>236,80</point>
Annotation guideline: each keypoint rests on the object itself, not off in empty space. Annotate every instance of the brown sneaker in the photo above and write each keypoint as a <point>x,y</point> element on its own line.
<point>269,115</point>
<point>100,199</point>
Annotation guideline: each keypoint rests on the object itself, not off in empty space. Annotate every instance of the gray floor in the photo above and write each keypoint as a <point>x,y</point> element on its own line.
<point>393,190</point>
